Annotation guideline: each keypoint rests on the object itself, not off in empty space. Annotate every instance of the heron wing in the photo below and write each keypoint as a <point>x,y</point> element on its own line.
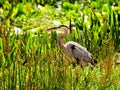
<point>79,52</point>
<point>82,54</point>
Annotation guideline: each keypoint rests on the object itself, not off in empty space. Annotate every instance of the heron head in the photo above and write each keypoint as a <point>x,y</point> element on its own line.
<point>61,27</point>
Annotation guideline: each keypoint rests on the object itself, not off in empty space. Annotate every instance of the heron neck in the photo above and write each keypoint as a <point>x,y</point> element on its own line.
<point>61,37</point>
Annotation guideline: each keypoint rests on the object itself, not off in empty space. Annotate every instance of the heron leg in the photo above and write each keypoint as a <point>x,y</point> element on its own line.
<point>81,64</point>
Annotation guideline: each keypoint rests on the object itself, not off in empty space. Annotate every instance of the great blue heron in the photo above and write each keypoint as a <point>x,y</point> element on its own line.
<point>74,50</point>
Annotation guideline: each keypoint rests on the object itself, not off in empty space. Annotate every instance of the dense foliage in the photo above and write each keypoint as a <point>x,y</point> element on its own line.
<point>30,57</point>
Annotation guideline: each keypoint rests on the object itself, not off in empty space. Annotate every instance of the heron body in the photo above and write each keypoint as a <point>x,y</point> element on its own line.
<point>81,54</point>
<point>74,50</point>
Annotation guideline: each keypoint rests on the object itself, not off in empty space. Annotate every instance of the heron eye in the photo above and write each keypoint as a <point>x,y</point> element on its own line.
<point>73,47</point>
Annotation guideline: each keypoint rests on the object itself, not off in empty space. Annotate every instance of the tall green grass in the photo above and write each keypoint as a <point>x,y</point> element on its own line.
<point>34,61</point>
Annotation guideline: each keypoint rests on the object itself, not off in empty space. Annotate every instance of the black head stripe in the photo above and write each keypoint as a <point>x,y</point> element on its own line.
<point>63,26</point>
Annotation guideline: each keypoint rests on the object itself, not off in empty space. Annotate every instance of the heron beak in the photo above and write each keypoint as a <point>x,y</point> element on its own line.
<point>53,28</point>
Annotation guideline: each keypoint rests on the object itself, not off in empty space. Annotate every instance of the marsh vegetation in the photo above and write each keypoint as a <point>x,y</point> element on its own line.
<point>30,58</point>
